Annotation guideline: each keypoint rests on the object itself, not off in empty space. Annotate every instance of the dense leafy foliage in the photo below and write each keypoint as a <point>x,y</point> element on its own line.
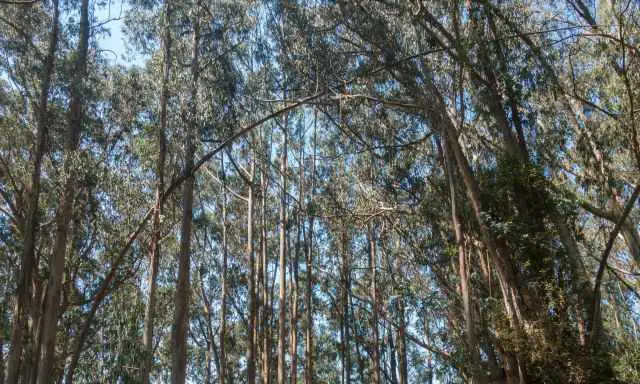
<point>319,191</point>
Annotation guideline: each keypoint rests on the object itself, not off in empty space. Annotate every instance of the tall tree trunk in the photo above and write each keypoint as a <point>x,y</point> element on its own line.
<point>402,343</point>
<point>462,271</point>
<point>293,329</point>
<point>511,294</point>
<point>251,347</point>
<point>65,208</point>
<point>210,334</point>
<point>507,85</point>
<point>296,263</point>
<point>308,294</point>
<point>181,317</point>
<point>2,326</point>
<point>308,299</point>
<point>266,306</point>
<point>393,364</point>
<point>436,108</point>
<point>343,349</point>
<point>358,344</point>
<point>282,280</point>
<point>260,303</point>
<point>154,259</point>
<point>222,371</point>
<point>23,295</point>
<point>375,355</point>
<point>37,325</point>
<point>344,303</point>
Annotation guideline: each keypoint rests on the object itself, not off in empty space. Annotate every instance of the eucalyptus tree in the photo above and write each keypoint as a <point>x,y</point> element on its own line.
<point>414,192</point>
<point>32,196</point>
<point>155,254</point>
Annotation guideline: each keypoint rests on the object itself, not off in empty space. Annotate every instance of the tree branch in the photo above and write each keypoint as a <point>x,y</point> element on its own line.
<point>605,255</point>
<point>19,2</point>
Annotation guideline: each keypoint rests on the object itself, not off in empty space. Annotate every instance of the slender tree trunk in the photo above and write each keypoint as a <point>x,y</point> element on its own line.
<point>181,317</point>
<point>308,294</point>
<point>462,271</point>
<point>296,263</point>
<point>507,86</point>
<point>24,296</point>
<point>358,344</point>
<point>393,364</point>
<point>282,280</point>
<point>65,208</point>
<point>436,108</point>
<point>38,324</point>
<point>308,299</point>
<point>210,335</point>
<point>509,286</point>
<point>402,343</point>
<point>222,371</point>
<point>293,331</point>
<point>260,303</point>
<point>266,311</point>
<point>251,347</point>
<point>345,319</point>
<point>154,261</point>
<point>207,363</point>
<point>2,326</point>
<point>375,355</point>
<point>343,350</point>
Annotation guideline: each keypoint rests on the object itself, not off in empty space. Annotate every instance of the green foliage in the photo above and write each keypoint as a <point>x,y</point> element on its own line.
<point>538,109</point>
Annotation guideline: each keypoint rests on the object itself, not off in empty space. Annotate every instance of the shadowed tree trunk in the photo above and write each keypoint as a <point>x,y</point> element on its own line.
<point>181,317</point>
<point>393,364</point>
<point>345,278</point>
<point>154,257</point>
<point>462,270</point>
<point>23,304</point>
<point>402,344</point>
<point>65,208</point>
<point>506,275</point>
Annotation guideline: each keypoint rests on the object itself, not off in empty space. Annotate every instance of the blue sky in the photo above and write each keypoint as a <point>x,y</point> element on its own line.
<point>113,14</point>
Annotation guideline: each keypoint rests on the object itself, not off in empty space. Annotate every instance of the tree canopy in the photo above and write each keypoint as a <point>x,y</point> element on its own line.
<point>317,191</point>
